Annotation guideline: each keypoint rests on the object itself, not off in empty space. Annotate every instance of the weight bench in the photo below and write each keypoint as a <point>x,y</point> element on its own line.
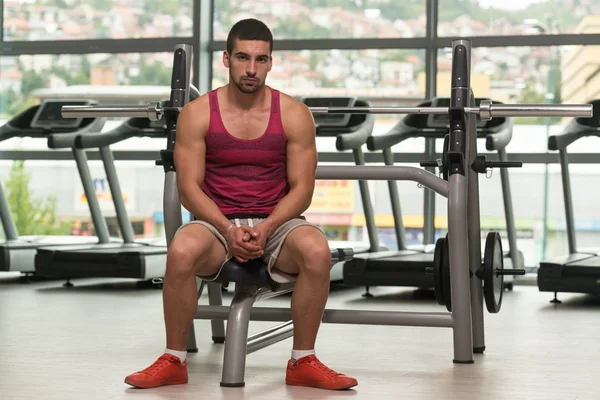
<point>252,283</point>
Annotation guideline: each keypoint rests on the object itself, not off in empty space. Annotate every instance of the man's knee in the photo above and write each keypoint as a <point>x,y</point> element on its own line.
<point>313,251</point>
<point>194,250</point>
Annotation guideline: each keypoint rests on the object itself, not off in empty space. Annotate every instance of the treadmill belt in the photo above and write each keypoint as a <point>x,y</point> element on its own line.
<point>416,261</point>
<point>588,267</point>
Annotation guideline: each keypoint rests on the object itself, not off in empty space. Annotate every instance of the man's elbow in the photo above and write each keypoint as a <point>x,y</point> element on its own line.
<point>306,194</point>
<point>185,195</point>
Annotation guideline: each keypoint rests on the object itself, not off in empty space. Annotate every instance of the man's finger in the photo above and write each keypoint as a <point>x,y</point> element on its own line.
<point>252,231</point>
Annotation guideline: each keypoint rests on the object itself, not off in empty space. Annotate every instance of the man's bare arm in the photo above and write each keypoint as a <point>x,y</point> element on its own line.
<point>190,161</point>
<point>301,166</point>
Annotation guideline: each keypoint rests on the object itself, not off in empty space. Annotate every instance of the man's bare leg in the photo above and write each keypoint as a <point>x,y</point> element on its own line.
<point>306,252</point>
<point>195,251</point>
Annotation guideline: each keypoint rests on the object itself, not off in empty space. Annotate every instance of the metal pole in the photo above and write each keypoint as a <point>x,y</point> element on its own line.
<point>458,199</point>
<point>90,193</point>
<point>154,112</point>
<point>115,190</point>
<point>180,85</point>
<point>511,229</point>
<point>474,221</point>
<point>8,224</point>
<point>568,199</point>
<point>429,198</point>
<point>336,316</point>
<point>359,159</point>
<point>388,159</point>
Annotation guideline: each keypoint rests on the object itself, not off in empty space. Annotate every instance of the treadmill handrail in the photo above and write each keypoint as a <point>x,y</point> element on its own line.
<point>390,138</point>
<point>575,131</point>
<point>498,139</point>
<point>101,139</point>
<point>354,140</point>
<point>497,136</point>
<point>562,140</point>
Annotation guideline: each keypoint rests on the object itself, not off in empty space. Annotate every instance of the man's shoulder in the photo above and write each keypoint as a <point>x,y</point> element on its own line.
<point>198,104</point>
<point>290,104</point>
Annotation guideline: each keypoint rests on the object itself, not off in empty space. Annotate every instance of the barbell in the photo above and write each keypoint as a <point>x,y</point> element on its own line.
<point>486,110</point>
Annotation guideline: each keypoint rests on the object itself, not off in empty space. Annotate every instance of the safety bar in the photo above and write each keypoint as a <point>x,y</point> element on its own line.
<point>336,316</point>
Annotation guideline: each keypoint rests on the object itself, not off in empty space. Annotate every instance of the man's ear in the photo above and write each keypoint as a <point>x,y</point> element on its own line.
<point>226,60</point>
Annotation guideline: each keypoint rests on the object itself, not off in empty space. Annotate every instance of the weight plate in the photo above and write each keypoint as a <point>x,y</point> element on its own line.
<point>446,277</point>
<point>438,262</point>
<point>493,279</point>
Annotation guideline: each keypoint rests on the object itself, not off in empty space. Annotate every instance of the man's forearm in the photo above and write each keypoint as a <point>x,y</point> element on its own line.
<point>203,208</point>
<point>292,205</point>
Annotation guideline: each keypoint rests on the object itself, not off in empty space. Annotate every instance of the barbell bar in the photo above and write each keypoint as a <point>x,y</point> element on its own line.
<point>486,110</point>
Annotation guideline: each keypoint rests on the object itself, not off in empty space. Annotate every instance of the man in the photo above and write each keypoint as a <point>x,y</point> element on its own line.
<point>246,161</point>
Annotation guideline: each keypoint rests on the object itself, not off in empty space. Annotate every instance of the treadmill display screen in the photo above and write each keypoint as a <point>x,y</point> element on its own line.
<point>326,120</point>
<point>48,115</point>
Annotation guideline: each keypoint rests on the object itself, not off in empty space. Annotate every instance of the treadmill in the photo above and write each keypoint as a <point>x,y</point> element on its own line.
<point>407,266</point>
<point>351,132</point>
<point>143,259</point>
<point>17,252</point>
<point>579,271</point>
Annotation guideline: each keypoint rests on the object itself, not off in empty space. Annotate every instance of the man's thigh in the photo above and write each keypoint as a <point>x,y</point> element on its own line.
<point>290,242</point>
<point>205,245</point>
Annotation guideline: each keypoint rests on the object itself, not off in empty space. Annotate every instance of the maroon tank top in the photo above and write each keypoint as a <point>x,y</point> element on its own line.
<point>245,176</point>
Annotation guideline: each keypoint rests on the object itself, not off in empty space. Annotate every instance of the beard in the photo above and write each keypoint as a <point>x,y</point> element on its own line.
<point>247,87</point>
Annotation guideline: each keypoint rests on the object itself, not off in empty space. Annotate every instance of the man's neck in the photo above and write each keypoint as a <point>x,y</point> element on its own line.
<point>245,101</point>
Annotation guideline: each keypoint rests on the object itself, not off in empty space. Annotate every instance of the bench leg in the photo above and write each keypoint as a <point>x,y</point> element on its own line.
<point>192,347</point>
<point>234,360</point>
<point>215,298</point>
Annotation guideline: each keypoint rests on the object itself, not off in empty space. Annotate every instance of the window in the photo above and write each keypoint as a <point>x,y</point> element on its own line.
<point>310,19</point>
<point>21,76</point>
<point>391,75</point>
<point>53,190</point>
<point>381,77</point>
<point>96,19</point>
<point>517,17</point>
<point>556,74</point>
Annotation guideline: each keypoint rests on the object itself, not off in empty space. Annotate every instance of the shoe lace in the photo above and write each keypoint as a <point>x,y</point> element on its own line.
<point>319,365</point>
<point>157,366</point>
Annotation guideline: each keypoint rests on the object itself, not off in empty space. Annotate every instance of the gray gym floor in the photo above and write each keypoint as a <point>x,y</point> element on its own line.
<point>80,342</point>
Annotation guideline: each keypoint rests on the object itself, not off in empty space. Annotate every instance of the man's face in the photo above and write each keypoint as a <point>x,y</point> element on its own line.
<point>249,63</point>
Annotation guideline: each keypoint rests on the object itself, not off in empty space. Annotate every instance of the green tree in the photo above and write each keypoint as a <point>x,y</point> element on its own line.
<point>32,216</point>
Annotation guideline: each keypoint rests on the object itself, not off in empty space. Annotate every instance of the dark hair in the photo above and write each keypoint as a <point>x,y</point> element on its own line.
<point>249,29</point>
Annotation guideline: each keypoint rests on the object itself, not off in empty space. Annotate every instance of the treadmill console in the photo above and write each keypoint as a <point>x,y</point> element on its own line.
<point>442,120</point>
<point>49,117</point>
<point>330,120</point>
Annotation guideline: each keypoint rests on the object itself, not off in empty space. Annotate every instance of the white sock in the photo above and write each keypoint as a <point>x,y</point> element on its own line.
<point>181,354</point>
<point>298,354</point>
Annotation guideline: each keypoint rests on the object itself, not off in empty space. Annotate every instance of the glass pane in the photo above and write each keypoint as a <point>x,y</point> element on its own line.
<point>55,203</point>
<point>517,17</point>
<point>564,74</point>
<point>311,19</point>
<point>96,19</point>
<point>381,77</point>
<point>22,76</point>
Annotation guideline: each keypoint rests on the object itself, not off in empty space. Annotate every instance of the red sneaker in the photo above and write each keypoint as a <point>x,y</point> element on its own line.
<point>167,370</point>
<point>309,371</point>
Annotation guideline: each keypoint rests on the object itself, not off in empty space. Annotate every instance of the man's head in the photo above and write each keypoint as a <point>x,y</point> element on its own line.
<point>248,54</point>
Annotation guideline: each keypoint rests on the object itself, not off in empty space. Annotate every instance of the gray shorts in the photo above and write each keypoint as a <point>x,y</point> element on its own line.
<point>272,248</point>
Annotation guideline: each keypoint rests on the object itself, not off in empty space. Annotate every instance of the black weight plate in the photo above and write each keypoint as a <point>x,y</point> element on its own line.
<point>446,277</point>
<point>493,282</point>
<point>438,262</point>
